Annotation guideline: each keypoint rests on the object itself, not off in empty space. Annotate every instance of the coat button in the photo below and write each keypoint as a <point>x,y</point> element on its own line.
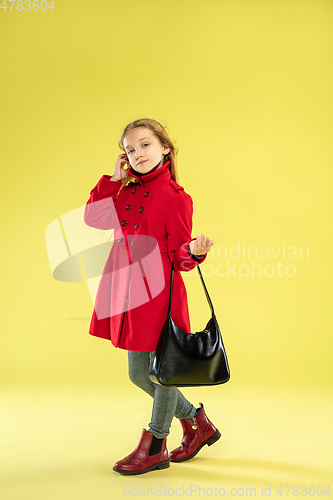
<point>124,222</point>
<point>136,226</point>
<point>134,191</point>
<point>119,240</point>
<point>141,210</point>
<point>147,193</point>
<point>132,242</point>
<point>128,207</point>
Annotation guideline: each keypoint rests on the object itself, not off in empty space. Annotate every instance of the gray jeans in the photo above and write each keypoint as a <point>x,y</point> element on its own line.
<point>169,402</point>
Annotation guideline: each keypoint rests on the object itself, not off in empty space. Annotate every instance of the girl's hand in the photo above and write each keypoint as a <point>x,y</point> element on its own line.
<point>119,172</point>
<point>200,246</point>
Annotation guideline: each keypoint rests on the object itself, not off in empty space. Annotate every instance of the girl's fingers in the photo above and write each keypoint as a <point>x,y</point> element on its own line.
<point>202,245</point>
<point>210,243</point>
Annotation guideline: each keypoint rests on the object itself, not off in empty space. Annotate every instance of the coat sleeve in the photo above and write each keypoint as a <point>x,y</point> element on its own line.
<point>100,211</point>
<point>179,228</point>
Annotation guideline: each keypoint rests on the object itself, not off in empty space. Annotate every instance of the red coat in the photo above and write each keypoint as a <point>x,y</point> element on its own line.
<point>152,222</point>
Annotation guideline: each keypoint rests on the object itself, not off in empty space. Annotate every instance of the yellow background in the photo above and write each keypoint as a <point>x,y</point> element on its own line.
<point>245,90</point>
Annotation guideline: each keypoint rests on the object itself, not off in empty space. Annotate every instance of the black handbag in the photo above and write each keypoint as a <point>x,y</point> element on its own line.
<point>190,359</point>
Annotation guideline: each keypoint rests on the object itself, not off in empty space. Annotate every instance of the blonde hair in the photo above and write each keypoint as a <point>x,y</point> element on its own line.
<point>164,139</point>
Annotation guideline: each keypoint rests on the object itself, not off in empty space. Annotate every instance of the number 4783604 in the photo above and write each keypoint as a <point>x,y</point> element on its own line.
<point>303,490</point>
<point>27,5</point>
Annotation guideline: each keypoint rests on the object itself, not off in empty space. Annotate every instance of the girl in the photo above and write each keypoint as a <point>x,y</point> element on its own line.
<point>151,215</point>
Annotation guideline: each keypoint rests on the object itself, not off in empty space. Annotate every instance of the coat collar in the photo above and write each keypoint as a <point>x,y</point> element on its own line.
<point>160,175</point>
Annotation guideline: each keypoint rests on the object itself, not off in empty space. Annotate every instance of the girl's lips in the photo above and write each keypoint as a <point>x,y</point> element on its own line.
<point>142,162</point>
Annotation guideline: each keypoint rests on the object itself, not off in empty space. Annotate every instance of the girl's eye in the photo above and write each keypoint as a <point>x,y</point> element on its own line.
<point>132,149</point>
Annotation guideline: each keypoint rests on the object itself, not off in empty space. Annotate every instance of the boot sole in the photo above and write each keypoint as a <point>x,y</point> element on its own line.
<point>209,441</point>
<point>161,465</point>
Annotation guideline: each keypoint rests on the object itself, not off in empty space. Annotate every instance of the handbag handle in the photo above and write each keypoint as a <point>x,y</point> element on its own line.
<point>203,284</point>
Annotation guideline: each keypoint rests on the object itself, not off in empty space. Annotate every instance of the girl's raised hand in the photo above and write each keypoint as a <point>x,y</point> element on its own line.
<point>201,245</point>
<point>119,172</point>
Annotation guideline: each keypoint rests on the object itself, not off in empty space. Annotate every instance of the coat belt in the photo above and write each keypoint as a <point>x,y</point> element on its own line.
<point>161,246</point>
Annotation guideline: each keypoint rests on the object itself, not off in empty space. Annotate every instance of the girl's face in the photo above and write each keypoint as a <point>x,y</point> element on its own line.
<point>142,145</point>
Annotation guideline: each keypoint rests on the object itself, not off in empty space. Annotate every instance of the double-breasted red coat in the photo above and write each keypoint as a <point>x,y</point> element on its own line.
<point>152,222</point>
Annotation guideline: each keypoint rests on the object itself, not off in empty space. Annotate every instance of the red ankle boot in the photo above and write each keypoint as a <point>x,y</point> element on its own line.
<point>197,432</point>
<point>139,461</point>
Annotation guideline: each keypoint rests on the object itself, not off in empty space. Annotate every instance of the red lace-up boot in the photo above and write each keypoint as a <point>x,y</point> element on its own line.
<point>139,461</point>
<point>197,432</point>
